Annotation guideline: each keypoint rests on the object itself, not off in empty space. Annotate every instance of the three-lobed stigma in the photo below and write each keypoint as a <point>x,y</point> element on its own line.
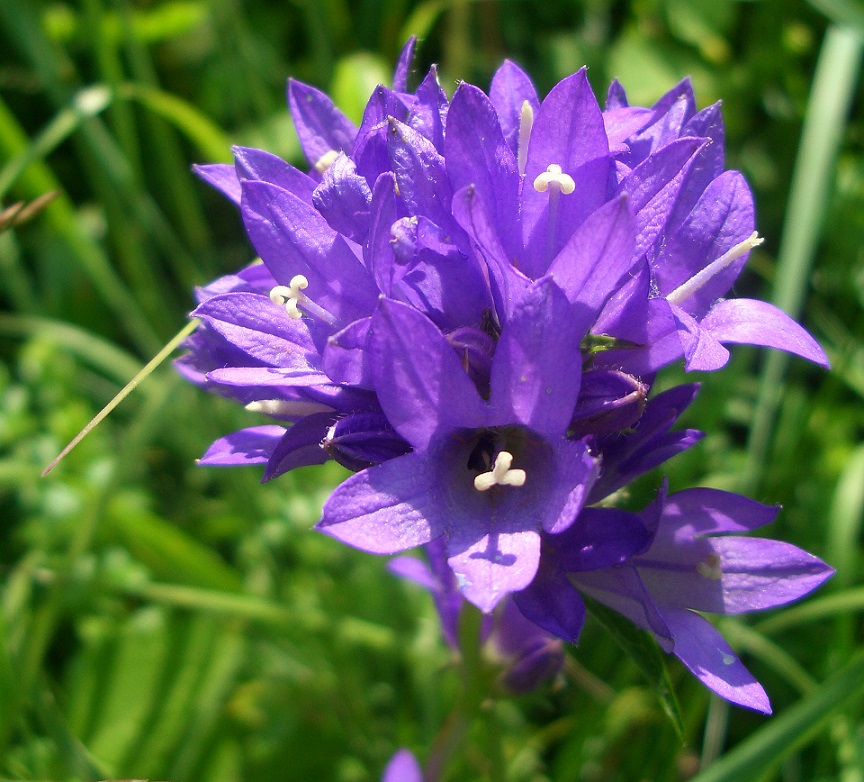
<point>501,474</point>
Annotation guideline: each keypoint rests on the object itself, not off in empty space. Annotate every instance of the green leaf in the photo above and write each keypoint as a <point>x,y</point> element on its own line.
<point>768,746</point>
<point>199,129</point>
<point>647,655</point>
<point>354,79</point>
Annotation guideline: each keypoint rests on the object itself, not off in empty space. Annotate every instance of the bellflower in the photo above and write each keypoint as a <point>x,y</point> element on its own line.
<point>402,767</point>
<point>465,302</point>
<point>690,561</point>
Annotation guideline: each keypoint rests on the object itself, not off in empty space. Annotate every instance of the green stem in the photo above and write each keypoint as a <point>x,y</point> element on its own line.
<point>474,691</point>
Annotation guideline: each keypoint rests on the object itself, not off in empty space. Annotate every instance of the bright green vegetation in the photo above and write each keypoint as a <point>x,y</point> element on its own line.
<point>163,621</point>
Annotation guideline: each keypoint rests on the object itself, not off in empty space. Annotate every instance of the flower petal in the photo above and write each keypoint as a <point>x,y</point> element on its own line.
<point>722,218</point>
<point>422,387</point>
<point>598,255</point>
<point>699,512</point>
<point>388,508</point>
<point>321,127</point>
<point>537,366</point>
<point>258,327</point>
<point>343,198</point>
<point>293,238</point>
<point>705,652</point>
<point>568,131</point>
<point>653,188</point>
<point>420,174</point>
<point>247,446</point>
<point>222,177</point>
<point>551,602</point>
<point>494,564</point>
<point>477,154</point>
<point>509,90</point>
<point>753,322</point>
<point>403,767</point>
<point>300,446</point>
<point>403,65</point>
<point>258,165</point>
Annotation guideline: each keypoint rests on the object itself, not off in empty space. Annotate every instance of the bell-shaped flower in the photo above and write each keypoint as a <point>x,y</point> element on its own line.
<point>692,561</point>
<point>487,475</point>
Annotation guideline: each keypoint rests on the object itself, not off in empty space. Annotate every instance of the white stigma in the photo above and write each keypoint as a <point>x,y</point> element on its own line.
<point>326,160</point>
<point>291,296</point>
<point>526,122</point>
<point>710,568</point>
<point>697,281</point>
<point>500,474</point>
<point>554,177</point>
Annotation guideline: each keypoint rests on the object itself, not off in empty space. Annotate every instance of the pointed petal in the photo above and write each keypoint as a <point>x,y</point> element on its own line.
<point>574,473</point>
<point>420,174</point>
<point>414,570</point>
<point>723,217</point>
<point>222,177</point>
<point>568,131</point>
<point>429,114</point>
<point>300,446</point>
<point>293,238</point>
<point>256,164</point>
<point>622,589</point>
<point>403,767</point>
<point>601,538</point>
<point>435,277</point>
<point>495,564</point>
<point>537,366</point>
<point>551,602</point>
<point>346,357</point>
<point>422,387</point>
<point>477,154</point>
<point>653,187</point>
<point>621,123</point>
<point>321,127</point>
<point>258,327</point>
<point>386,509</point>
<point>729,575</point>
<point>343,198</point>
<point>507,284</point>
<point>247,446</point>
<point>403,65</point>
<point>598,255</point>
<point>753,322</point>
<point>703,511</point>
<point>268,377</point>
<point>616,96</point>
<point>702,351</point>
<point>509,90</point>
<point>361,440</point>
<point>705,652</point>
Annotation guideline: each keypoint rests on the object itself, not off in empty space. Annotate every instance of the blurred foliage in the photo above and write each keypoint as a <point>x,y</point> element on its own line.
<point>164,621</point>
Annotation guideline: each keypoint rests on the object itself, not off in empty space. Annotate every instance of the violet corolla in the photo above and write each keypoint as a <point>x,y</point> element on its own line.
<point>465,302</point>
<point>690,561</point>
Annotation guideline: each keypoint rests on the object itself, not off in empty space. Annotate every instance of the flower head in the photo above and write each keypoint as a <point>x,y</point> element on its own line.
<point>465,302</point>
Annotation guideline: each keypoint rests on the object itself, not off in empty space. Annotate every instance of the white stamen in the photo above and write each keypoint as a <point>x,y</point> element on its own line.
<point>500,474</point>
<point>291,295</point>
<point>526,122</point>
<point>554,177</point>
<point>286,407</point>
<point>710,568</point>
<point>685,291</point>
<point>326,160</point>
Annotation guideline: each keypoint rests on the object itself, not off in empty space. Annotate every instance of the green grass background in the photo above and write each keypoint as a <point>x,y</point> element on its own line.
<point>164,621</point>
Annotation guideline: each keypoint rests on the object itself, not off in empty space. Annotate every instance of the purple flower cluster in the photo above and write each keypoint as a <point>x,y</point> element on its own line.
<point>465,302</point>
